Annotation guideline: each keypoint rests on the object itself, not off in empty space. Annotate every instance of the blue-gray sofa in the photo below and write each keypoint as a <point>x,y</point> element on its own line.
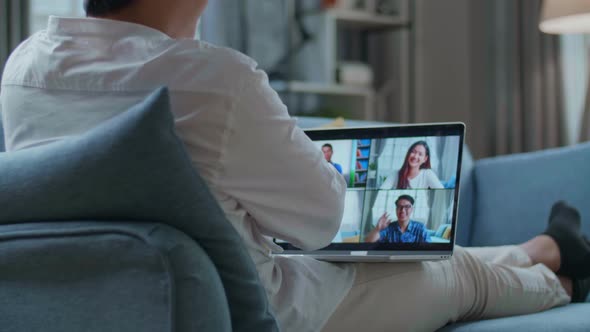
<point>115,272</point>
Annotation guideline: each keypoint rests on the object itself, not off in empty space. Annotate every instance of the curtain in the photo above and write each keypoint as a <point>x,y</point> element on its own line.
<point>585,135</point>
<point>13,27</point>
<point>525,105</point>
<point>585,130</point>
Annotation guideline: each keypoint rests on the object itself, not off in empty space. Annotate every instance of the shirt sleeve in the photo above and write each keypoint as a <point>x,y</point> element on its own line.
<point>276,173</point>
<point>432,181</point>
<point>383,236</point>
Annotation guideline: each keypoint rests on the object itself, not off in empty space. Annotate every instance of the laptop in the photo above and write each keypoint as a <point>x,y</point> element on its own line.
<point>402,192</point>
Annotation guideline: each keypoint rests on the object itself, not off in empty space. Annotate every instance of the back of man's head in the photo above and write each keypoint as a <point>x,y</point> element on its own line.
<point>98,8</point>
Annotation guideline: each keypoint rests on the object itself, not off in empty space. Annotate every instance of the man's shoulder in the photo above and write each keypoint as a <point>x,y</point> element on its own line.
<point>417,224</point>
<point>393,226</point>
<point>223,54</point>
<point>182,65</point>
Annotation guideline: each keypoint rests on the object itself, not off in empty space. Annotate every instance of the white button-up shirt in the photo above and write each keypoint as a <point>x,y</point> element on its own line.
<point>268,177</point>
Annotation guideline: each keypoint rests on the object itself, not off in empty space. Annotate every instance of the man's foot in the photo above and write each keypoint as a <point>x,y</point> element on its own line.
<point>581,287</point>
<point>563,213</point>
<point>564,228</point>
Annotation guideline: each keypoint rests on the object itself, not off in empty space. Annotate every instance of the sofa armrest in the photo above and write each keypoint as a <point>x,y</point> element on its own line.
<point>514,194</point>
<point>107,277</point>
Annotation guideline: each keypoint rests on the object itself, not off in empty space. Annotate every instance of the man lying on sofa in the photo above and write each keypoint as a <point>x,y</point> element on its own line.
<point>78,73</point>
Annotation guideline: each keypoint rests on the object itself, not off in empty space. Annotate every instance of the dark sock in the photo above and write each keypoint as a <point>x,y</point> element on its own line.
<point>564,228</point>
<point>581,287</point>
<point>563,213</point>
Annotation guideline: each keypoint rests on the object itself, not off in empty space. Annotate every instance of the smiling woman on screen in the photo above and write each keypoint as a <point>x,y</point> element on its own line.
<point>416,172</point>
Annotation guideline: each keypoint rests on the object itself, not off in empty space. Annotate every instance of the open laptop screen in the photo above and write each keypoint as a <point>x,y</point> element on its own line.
<point>402,185</point>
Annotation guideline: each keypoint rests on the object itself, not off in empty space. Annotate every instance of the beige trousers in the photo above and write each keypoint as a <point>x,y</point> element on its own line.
<point>477,283</point>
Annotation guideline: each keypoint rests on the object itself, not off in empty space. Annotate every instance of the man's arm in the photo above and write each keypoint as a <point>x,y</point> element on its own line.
<point>382,224</point>
<point>373,236</point>
<point>424,236</point>
<point>276,173</point>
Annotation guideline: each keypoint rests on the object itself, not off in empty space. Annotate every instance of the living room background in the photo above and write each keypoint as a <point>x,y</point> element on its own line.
<point>482,62</point>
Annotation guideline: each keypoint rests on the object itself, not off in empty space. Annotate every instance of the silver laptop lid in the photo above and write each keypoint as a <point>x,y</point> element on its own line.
<point>402,195</point>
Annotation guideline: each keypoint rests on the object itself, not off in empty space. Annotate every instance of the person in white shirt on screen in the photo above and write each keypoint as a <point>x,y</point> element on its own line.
<point>267,175</point>
<point>416,171</point>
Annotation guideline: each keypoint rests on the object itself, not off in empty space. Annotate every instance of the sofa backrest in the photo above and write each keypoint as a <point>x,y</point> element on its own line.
<point>514,194</point>
<point>466,200</point>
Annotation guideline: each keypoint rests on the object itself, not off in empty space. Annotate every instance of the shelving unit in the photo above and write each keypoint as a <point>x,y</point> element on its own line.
<point>313,85</point>
<point>364,20</point>
<point>361,169</point>
<point>322,88</point>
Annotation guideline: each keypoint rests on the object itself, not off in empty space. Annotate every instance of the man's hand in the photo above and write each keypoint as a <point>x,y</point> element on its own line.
<point>383,222</point>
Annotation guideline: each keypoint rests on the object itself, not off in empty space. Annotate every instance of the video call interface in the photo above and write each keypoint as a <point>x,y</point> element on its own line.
<point>400,190</point>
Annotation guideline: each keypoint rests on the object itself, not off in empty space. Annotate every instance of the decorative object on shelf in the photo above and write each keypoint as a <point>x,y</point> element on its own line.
<point>372,170</point>
<point>355,73</point>
<point>360,5</point>
<point>386,7</point>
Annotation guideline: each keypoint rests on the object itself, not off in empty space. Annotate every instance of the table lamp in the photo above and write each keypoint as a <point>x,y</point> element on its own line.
<point>565,16</point>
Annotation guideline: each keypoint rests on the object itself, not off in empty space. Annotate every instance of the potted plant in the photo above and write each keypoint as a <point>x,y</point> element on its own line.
<point>372,170</point>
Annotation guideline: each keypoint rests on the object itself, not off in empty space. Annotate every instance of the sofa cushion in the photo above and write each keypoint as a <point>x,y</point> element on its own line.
<point>134,167</point>
<point>572,318</point>
<point>114,277</point>
<point>515,193</point>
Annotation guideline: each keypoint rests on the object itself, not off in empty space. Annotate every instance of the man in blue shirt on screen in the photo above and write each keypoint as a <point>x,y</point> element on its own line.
<point>328,151</point>
<point>403,230</point>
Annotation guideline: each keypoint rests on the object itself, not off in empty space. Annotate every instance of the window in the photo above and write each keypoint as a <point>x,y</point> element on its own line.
<point>40,10</point>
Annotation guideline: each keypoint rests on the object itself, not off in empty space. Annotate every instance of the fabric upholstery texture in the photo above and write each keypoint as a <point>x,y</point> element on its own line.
<point>467,200</point>
<point>114,277</point>
<point>515,193</point>
<point>573,317</point>
<point>134,167</point>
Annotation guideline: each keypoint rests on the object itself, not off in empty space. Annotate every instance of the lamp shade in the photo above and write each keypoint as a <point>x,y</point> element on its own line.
<point>565,16</point>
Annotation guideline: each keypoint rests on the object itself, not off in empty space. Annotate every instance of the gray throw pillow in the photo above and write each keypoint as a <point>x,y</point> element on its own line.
<point>134,167</point>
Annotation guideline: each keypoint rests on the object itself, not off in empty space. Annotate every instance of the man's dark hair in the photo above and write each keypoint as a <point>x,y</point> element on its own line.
<point>98,8</point>
<point>328,145</point>
<point>407,198</point>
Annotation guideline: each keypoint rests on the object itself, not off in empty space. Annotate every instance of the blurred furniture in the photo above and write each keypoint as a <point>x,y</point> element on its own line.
<point>335,44</point>
<point>440,235</point>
